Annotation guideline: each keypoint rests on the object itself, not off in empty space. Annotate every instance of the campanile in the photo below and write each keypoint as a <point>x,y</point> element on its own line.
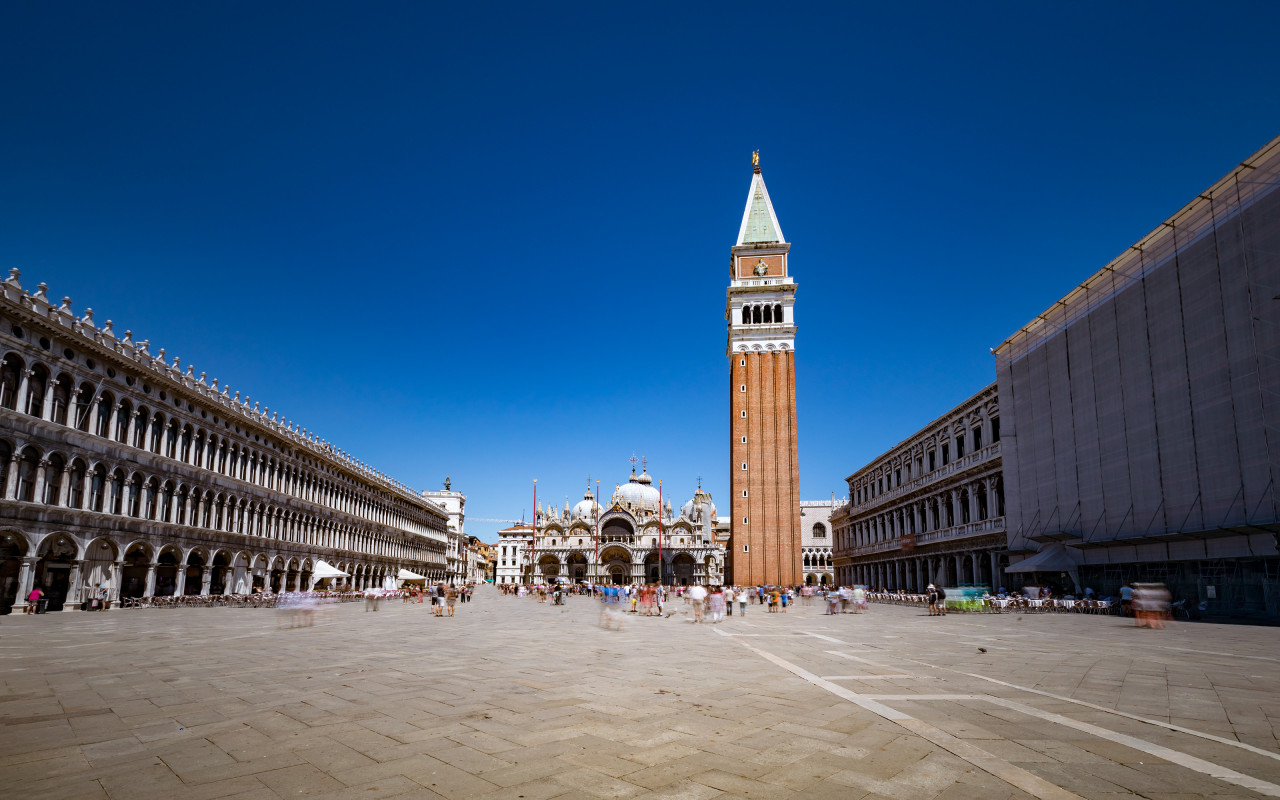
<point>764,473</point>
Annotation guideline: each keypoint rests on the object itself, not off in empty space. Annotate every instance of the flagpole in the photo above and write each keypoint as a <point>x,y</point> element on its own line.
<point>597,570</point>
<point>661,581</point>
<point>533,543</point>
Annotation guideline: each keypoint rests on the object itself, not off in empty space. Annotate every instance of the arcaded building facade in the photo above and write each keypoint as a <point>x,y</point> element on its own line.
<point>764,474</point>
<point>930,510</point>
<point>1142,410</point>
<point>121,469</point>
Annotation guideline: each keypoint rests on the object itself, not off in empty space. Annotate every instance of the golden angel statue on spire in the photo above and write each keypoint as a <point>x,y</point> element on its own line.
<point>755,158</point>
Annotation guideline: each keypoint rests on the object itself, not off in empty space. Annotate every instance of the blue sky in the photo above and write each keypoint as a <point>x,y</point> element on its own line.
<point>491,240</point>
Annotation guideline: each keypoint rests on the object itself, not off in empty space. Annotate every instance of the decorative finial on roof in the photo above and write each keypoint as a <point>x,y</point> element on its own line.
<point>755,160</point>
<point>633,463</point>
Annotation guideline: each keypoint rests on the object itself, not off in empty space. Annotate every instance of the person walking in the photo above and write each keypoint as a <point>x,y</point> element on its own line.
<point>33,600</point>
<point>451,598</point>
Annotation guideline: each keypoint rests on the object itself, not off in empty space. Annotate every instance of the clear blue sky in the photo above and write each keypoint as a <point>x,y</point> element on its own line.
<point>491,241</point>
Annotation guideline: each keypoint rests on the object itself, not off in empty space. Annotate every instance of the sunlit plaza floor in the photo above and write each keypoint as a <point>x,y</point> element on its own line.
<point>523,701</point>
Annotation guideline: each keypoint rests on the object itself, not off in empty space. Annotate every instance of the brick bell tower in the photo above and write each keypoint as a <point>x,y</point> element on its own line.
<point>764,474</point>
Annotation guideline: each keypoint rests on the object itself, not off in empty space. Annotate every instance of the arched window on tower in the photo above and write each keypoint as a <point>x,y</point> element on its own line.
<point>768,314</point>
<point>746,320</point>
<point>755,315</point>
<point>777,313</point>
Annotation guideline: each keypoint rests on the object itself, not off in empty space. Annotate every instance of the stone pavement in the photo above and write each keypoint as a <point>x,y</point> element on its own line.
<point>517,700</point>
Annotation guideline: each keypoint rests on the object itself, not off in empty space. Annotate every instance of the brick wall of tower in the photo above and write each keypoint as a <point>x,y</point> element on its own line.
<point>771,508</point>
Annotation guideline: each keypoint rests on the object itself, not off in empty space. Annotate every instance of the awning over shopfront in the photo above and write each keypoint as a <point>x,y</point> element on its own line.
<point>326,570</point>
<point>1051,558</point>
<point>406,576</point>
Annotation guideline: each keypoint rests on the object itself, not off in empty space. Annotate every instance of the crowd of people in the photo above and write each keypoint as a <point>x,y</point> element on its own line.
<point>1147,602</point>
<point>710,604</point>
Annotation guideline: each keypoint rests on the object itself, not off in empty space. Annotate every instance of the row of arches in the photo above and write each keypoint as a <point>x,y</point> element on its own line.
<point>71,569</point>
<point>621,566</point>
<point>980,567</point>
<point>974,501</point>
<point>29,475</point>
<point>762,314</point>
<point>88,407</point>
<point>816,559</point>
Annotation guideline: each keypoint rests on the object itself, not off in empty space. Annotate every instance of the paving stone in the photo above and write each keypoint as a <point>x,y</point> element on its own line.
<point>352,708</point>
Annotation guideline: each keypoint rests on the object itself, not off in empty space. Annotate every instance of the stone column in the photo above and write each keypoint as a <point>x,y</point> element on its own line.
<point>26,578</point>
<point>38,495</point>
<point>112,421</point>
<point>180,580</point>
<point>150,589</point>
<point>88,489</point>
<point>24,386</point>
<point>74,589</point>
<point>997,580</point>
<point>46,412</point>
<point>117,578</point>
<point>977,574</point>
<point>206,580</point>
<point>64,488</point>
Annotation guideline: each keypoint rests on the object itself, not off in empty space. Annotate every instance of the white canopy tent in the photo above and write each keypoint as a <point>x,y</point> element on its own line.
<point>1051,558</point>
<point>406,576</point>
<point>325,571</point>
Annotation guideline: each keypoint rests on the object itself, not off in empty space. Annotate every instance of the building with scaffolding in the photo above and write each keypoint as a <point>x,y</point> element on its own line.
<point>1142,411</point>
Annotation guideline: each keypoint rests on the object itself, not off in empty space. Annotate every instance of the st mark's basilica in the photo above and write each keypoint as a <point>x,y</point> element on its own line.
<point>637,538</point>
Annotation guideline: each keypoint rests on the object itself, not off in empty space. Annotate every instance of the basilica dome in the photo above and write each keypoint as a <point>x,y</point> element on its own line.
<point>701,501</point>
<point>587,508</point>
<point>637,493</point>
